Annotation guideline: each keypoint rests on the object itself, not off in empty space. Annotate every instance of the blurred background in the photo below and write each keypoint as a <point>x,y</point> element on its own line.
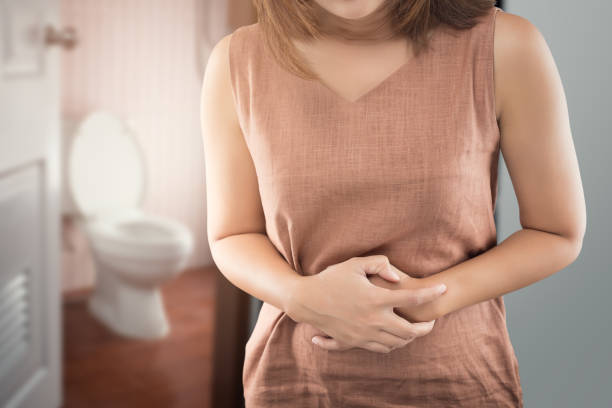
<point>108,293</point>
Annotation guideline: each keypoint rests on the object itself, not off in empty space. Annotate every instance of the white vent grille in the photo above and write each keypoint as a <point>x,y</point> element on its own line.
<point>14,322</point>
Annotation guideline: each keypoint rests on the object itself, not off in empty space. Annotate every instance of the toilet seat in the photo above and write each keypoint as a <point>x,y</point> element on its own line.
<point>106,181</point>
<point>135,234</point>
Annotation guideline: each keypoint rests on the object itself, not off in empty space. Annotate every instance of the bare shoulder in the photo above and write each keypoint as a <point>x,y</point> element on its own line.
<point>217,104</point>
<point>219,58</point>
<point>512,29</point>
<point>521,54</point>
<point>217,72</point>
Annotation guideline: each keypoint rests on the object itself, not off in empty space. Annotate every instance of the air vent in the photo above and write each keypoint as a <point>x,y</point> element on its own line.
<point>14,322</point>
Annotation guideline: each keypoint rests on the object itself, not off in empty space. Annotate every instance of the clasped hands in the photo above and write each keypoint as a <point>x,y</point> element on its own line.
<point>361,303</point>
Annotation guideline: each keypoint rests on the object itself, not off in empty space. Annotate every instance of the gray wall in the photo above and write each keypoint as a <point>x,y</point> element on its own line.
<point>561,326</point>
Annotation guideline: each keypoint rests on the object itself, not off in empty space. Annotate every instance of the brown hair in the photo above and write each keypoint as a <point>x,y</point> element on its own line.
<point>283,19</point>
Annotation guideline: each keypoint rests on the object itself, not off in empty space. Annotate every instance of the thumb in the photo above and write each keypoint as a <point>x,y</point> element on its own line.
<point>378,264</point>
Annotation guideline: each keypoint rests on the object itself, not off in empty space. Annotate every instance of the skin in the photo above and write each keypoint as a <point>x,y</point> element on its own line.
<point>357,310</point>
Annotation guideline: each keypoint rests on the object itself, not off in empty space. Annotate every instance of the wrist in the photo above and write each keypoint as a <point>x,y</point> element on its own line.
<point>292,299</point>
<point>426,311</point>
<point>434,309</point>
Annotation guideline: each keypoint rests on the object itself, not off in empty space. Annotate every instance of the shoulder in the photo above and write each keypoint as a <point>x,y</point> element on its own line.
<point>216,92</point>
<point>516,36</point>
<point>230,44</point>
<point>227,76</point>
<point>242,37</point>
<point>217,70</point>
<point>522,56</point>
<point>221,60</point>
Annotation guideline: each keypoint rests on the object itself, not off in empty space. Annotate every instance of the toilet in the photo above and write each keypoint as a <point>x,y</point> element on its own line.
<point>134,252</point>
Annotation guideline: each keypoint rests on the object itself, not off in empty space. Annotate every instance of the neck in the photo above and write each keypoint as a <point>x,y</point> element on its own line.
<point>374,27</point>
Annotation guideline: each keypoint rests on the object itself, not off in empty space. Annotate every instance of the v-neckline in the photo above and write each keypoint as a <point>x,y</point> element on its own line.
<point>381,84</point>
<point>412,62</point>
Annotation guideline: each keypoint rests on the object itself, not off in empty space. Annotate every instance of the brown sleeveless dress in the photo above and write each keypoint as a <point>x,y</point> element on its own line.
<point>408,170</point>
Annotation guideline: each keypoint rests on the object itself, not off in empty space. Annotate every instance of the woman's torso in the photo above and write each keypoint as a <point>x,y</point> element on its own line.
<point>408,170</point>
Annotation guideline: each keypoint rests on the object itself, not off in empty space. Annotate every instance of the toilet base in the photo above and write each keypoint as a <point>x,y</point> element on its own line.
<point>128,310</point>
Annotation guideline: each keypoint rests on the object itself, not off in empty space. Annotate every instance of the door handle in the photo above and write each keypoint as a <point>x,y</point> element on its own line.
<point>65,38</point>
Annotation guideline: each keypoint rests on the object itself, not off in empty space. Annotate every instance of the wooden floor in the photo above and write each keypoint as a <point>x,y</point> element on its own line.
<point>104,370</point>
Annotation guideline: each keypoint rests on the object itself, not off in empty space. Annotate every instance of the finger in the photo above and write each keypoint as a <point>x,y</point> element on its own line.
<point>389,274</point>
<point>410,297</point>
<point>403,328</point>
<point>391,340</point>
<point>376,347</point>
<point>329,343</point>
<point>423,328</point>
<point>375,264</point>
<point>405,342</point>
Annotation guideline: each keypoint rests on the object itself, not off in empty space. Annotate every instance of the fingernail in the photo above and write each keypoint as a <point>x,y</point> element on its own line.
<point>394,274</point>
<point>442,288</point>
<point>315,340</point>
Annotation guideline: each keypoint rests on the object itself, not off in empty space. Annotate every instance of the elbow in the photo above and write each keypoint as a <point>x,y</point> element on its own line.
<point>575,248</point>
<point>215,236</point>
<point>578,237</point>
<point>575,241</point>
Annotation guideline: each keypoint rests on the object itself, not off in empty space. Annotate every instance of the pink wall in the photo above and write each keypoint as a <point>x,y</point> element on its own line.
<point>137,58</point>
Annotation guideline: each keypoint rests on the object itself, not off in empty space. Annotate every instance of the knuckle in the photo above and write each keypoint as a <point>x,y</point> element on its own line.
<point>377,302</point>
<point>372,347</point>
<point>363,344</point>
<point>383,258</point>
<point>352,340</point>
<point>416,332</point>
<point>421,332</point>
<point>377,325</point>
<point>421,329</point>
<point>371,298</point>
<point>369,317</point>
<point>379,295</point>
<point>345,346</point>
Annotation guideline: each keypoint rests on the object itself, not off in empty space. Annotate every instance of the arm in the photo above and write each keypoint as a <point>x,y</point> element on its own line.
<point>235,219</point>
<point>538,150</point>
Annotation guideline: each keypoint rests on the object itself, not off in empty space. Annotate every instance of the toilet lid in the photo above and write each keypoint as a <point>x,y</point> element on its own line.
<point>106,166</point>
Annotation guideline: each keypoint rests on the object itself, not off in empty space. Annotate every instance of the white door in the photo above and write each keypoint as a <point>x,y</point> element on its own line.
<point>29,206</point>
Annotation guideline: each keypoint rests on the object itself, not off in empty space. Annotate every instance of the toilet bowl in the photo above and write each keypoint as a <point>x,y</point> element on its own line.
<point>134,252</point>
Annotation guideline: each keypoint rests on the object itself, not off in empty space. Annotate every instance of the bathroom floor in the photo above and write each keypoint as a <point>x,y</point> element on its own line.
<point>104,370</point>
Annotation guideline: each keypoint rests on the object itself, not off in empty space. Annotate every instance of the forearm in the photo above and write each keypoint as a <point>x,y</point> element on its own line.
<point>525,257</point>
<point>251,263</point>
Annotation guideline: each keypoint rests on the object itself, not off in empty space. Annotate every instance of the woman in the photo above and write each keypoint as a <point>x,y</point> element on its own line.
<point>346,141</point>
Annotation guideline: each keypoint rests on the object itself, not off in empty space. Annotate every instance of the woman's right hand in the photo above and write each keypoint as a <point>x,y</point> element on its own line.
<point>344,304</point>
